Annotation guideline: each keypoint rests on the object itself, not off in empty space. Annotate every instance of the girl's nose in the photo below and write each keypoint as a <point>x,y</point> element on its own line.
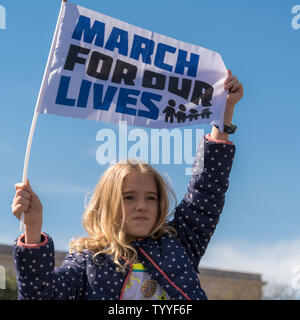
<point>141,205</point>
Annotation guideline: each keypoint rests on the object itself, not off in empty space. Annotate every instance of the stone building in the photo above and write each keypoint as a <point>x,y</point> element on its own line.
<point>218,284</point>
<point>231,285</point>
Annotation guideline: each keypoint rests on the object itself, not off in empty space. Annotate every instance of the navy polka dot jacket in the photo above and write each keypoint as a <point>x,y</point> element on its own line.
<point>171,261</point>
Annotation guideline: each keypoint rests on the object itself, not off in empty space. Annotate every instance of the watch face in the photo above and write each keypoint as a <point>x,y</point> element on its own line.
<point>230,129</point>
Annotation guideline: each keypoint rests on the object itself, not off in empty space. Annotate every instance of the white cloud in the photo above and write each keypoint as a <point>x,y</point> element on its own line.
<point>274,262</point>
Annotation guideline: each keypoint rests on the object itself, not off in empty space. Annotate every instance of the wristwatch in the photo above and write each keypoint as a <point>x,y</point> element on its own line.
<point>229,129</point>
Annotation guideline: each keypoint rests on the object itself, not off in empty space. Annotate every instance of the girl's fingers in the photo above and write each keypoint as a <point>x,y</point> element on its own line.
<point>22,200</point>
<point>231,85</point>
<point>23,193</point>
<point>236,87</point>
<point>230,79</point>
<point>18,209</point>
<point>29,187</point>
<point>24,187</point>
<point>22,197</point>
<point>19,186</point>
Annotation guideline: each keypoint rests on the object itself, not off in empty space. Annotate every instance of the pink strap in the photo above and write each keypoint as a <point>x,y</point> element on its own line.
<point>163,273</point>
<point>34,245</point>
<point>126,280</point>
<point>208,137</point>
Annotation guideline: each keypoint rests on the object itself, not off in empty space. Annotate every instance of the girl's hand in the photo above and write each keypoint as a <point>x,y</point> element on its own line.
<point>235,89</point>
<point>27,201</point>
<point>235,94</point>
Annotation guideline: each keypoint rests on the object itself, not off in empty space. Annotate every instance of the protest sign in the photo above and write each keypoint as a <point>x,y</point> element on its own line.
<point>104,69</point>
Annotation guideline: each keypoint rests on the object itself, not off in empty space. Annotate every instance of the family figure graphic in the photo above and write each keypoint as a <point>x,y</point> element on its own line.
<point>180,115</point>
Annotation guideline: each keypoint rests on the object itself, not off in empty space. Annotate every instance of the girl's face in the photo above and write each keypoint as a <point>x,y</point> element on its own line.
<point>140,200</point>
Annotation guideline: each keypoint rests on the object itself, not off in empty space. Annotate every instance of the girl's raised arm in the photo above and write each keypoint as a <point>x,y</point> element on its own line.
<point>197,215</point>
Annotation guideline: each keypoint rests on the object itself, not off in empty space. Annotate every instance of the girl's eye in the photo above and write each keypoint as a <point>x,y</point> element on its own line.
<point>128,197</point>
<point>152,198</point>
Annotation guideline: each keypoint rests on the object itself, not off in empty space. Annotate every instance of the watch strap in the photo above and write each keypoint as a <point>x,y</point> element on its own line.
<point>229,129</point>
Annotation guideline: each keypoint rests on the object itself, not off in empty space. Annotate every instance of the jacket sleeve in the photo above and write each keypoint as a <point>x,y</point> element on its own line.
<point>37,277</point>
<point>197,215</point>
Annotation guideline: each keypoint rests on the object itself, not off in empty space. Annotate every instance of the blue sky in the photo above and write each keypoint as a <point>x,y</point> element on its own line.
<point>260,222</point>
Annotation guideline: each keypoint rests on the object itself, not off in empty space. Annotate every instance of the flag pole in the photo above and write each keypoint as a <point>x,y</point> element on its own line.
<point>35,115</point>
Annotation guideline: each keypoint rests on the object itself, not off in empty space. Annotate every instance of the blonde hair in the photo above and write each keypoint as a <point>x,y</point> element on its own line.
<point>104,219</point>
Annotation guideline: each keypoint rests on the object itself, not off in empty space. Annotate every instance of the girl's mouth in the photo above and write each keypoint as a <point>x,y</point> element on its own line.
<point>140,219</point>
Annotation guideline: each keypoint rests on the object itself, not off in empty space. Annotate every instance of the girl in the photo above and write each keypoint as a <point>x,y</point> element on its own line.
<point>131,251</point>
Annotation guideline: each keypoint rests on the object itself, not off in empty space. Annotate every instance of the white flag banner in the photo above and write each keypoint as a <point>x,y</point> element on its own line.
<point>104,69</point>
